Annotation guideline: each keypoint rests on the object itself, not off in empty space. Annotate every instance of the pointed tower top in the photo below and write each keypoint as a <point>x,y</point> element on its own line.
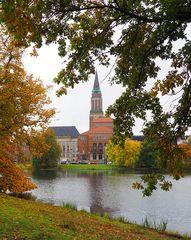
<point>96,87</point>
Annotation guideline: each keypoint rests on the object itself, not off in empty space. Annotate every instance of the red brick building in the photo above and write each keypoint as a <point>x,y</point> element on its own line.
<point>92,143</point>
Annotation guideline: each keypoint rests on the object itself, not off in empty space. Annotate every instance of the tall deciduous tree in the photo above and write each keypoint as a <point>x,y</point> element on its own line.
<point>115,153</point>
<point>136,34</point>
<point>50,158</point>
<point>126,155</point>
<point>23,112</point>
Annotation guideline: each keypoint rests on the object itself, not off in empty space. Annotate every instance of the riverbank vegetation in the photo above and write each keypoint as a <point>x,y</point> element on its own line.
<point>147,156</point>
<point>144,155</point>
<point>25,219</point>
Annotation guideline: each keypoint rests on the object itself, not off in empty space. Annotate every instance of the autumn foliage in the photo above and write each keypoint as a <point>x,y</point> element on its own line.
<point>23,115</point>
<point>49,159</point>
<point>186,148</point>
<point>126,155</point>
<point>12,178</point>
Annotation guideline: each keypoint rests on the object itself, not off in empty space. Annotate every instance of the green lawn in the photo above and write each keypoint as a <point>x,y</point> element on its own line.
<point>87,167</point>
<point>24,219</point>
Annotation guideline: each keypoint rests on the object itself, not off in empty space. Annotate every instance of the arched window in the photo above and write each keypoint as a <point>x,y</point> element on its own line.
<point>100,151</point>
<point>63,150</point>
<point>94,148</point>
<point>94,151</point>
<point>100,148</point>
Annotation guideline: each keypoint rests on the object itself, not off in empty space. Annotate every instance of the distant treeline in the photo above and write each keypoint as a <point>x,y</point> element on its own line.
<point>138,152</point>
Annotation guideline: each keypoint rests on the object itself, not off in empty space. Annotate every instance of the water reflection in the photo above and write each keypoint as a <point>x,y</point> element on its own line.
<point>97,194</point>
<point>111,192</point>
<point>44,174</point>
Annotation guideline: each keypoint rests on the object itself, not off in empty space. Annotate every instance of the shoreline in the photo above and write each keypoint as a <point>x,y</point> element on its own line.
<point>28,219</point>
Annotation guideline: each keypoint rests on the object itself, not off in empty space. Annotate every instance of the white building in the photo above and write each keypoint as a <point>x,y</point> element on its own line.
<point>67,138</point>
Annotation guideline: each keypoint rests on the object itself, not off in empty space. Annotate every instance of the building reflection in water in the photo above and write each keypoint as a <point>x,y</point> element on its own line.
<point>97,194</point>
<point>44,174</point>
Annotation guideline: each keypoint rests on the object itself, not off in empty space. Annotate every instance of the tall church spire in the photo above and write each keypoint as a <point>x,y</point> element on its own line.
<point>96,101</point>
<point>96,87</point>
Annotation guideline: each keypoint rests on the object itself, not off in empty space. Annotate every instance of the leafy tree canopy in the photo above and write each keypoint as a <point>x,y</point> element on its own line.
<point>148,156</point>
<point>137,34</point>
<point>126,155</point>
<point>48,159</point>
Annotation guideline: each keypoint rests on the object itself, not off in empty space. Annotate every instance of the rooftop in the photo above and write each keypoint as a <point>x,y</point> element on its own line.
<point>101,129</point>
<point>139,138</point>
<point>69,131</point>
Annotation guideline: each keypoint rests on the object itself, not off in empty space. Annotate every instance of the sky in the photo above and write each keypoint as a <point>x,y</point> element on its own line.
<point>71,109</point>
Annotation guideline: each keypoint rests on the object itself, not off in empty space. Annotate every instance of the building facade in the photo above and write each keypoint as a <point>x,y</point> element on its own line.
<point>92,143</point>
<point>67,137</point>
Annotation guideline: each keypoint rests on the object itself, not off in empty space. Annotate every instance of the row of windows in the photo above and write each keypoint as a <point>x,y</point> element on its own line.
<point>83,138</point>
<point>98,148</point>
<point>67,149</point>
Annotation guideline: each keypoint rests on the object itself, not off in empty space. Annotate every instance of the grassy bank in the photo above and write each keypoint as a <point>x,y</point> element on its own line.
<point>86,167</point>
<point>24,219</point>
<point>97,167</point>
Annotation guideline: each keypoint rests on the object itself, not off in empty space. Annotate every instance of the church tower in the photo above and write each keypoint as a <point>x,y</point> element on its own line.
<point>96,101</point>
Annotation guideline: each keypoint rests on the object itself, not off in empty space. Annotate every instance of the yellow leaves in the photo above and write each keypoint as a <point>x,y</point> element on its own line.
<point>124,156</point>
<point>132,150</point>
<point>37,144</point>
<point>115,153</point>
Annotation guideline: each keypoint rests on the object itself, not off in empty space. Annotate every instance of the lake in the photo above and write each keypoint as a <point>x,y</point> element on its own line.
<point>110,192</point>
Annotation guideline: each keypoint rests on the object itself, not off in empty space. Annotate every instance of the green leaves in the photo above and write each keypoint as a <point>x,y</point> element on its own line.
<point>49,159</point>
<point>150,182</point>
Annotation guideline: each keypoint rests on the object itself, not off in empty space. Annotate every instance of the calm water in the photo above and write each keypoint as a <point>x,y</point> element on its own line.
<point>111,192</point>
